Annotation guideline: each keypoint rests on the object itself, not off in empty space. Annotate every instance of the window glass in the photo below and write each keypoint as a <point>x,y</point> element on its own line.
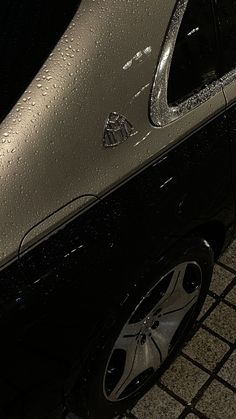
<point>195,55</point>
<point>226,14</point>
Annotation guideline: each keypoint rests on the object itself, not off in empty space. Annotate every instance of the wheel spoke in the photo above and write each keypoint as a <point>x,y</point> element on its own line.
<point>162,341</point>
<point>176,298</point>
<point>174,283</point>
<point>180,303</point>
<point>139,358</point>
<point>128,336</point>
<point>171,310</point>
<point>132,329</point>
<point>166,330</point>
<point>180,299</point>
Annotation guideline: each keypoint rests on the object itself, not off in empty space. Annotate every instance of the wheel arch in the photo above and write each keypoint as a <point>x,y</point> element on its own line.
<point>215,233</point>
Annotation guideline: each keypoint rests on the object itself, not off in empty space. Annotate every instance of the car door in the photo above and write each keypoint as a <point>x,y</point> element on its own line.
<point>188,95</point>
<point>182,189</point>
<point>151,207</point>
<point>226,20</point>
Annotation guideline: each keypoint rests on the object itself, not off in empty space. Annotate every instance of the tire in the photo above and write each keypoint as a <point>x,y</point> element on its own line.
<point>140,340</point>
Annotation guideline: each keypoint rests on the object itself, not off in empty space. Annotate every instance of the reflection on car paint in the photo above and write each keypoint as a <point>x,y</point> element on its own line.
<point>138,57</point>
<point>143,139</point>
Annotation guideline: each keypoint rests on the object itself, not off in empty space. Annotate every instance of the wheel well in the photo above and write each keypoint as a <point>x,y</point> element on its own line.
<point>215,233</point>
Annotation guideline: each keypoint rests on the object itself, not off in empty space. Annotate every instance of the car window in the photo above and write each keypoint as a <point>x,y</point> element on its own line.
<point>194,60</point>
<point>226,15</point>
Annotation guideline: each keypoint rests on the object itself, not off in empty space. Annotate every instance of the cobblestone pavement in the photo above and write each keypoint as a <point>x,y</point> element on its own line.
<point>201,383</point>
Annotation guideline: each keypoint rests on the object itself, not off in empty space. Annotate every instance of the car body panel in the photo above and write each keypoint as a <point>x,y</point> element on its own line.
<point>81,221</point>
<point>52,151</point>
<point>82,272</point>
<point>229,91</point>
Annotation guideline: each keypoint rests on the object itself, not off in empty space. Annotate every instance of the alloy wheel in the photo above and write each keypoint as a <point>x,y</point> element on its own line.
<point>152,331</point>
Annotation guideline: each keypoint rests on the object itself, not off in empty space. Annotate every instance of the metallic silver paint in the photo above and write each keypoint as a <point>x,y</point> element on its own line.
<point>50,154</point>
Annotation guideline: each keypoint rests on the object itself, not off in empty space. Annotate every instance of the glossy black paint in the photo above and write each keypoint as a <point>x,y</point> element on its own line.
<point>231,118</point>
<point>56,297</point>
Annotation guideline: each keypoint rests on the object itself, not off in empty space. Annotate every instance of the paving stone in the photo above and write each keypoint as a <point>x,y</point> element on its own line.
<point>207,304</point>
<point>206,349</point>
<point>184,378</point>
<point>229,256</point>
<point>220,279</point>
<point>218,402</point>
<point>228,371</point>
<point>223,321</point>
<point>231,296</point>
<point>158,404</point>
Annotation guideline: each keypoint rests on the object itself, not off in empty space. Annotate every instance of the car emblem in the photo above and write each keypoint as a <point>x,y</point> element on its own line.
<point>117,130</point>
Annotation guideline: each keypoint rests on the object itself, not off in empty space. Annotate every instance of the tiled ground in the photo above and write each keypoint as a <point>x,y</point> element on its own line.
<point>201,383</point>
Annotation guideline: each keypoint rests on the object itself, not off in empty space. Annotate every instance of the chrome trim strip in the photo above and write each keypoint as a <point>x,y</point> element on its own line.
<point>161,113</point>
<point>229,78</point>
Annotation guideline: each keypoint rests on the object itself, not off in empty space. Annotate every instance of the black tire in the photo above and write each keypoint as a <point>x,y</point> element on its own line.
<point>92,395</point>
